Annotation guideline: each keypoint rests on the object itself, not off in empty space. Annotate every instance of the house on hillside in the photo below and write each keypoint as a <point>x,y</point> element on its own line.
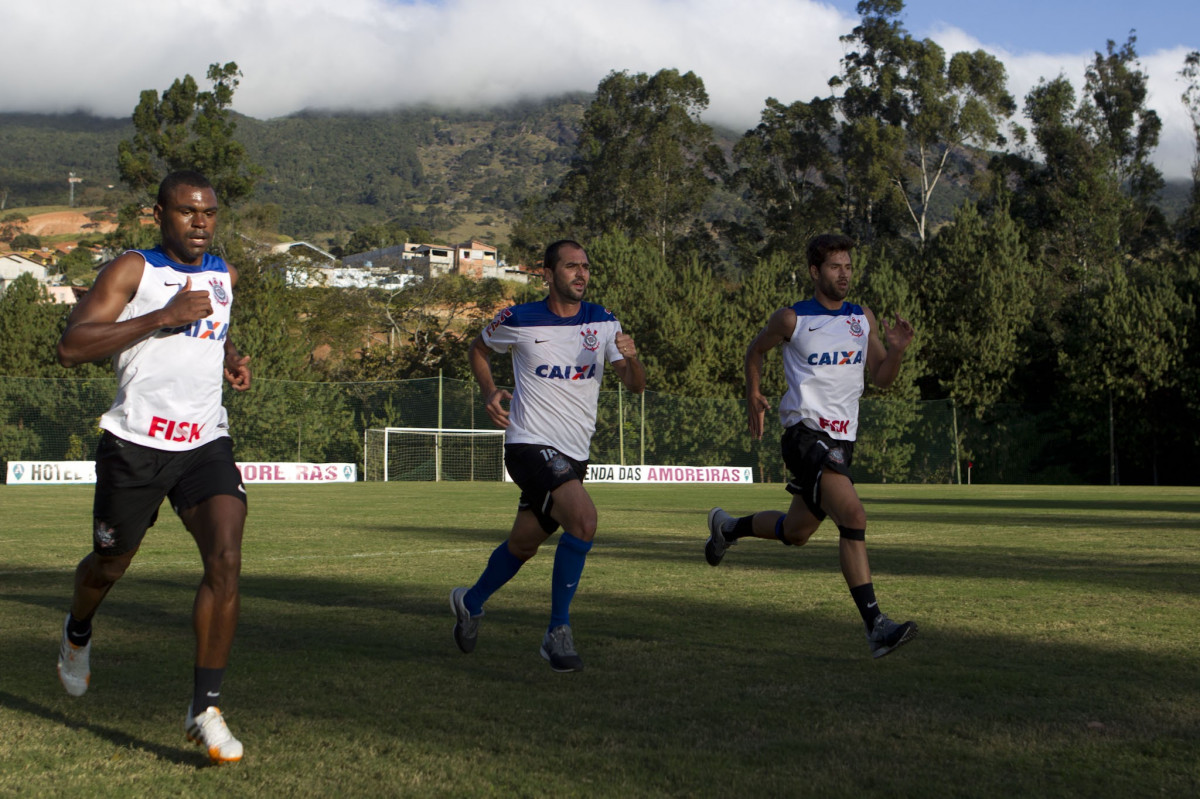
<point>13,265</point>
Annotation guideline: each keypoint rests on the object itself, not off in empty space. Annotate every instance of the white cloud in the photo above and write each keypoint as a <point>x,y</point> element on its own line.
<point>380,54</point>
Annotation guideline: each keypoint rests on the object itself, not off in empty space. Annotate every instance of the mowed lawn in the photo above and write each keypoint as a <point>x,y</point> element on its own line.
<point>1058,655</point>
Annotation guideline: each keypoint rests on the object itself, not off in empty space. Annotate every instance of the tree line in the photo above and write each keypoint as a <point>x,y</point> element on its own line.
<point>1055,302</point>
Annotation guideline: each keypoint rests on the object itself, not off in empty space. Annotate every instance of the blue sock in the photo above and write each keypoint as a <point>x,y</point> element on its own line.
<point>502,566</point>
<point>569,557</point>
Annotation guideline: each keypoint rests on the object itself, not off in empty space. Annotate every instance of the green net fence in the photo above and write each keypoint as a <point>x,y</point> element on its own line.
<point>279,420</point>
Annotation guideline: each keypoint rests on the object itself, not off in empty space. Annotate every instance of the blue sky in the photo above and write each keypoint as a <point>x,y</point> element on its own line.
<point>1055,26</point>
<point>382,54</point>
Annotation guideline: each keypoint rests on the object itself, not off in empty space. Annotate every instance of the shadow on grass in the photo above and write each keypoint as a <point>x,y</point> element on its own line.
<point>719,687</point>
<point>116,737</point>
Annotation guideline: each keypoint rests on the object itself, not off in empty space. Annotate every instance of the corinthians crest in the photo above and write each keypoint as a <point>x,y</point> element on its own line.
<point>856,329</point>
<point>218,291</point>
<point>590,340</point>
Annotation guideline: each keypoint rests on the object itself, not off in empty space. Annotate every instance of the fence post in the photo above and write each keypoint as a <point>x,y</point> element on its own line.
<point>621,420</point>
<point>954,425</point>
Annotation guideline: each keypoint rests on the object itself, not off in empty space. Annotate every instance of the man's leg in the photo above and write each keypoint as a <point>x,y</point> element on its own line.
<point>503,564</point>
<point>843,505</point>
<point>574,510</point>
<point>216,524</point>
<point>94,576</point>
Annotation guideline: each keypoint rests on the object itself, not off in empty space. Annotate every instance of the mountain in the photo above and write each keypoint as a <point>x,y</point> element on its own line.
<point>326,174</point>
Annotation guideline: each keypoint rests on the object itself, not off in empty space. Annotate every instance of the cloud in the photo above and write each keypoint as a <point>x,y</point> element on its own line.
<point>382,54</point>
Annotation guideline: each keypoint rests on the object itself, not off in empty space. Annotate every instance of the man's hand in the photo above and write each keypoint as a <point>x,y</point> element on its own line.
<point>756,408</point>
<point>625,345</point>
<point>237,371</point>
<point>898,336</point>
<point>495,410</point>
<point>187,306</point>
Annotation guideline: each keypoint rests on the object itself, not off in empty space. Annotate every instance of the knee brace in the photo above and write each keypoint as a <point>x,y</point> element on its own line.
<point>852,533</point>
<point>779,531</point>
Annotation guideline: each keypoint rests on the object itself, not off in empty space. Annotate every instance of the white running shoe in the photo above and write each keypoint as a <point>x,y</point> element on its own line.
<point>209,730</point>
<point>73,669</point>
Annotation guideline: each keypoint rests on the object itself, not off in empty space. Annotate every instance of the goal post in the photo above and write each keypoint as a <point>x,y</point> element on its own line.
<point>431,453</point>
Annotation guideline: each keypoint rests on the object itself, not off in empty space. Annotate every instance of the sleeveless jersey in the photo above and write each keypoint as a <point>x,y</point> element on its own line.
<point>558,363</point>
<point>169,382</point>
<point>823,363</point>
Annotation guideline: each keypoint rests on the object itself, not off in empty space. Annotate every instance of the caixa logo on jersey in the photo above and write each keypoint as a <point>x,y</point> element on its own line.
<point>836,358</point>
<point>568,372</point>
<point>202,328</point>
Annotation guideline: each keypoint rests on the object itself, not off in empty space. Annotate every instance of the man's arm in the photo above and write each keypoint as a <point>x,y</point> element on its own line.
<point>779,328</point>
<point>93,332</point>
<point>237,366</point>
<point>629,368</point>
<point>883,364</point>
<point>481,366</point>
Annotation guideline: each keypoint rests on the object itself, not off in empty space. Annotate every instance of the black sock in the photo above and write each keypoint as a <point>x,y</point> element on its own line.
<point>864,597</point>
<point>742,527</point>
<point>79,632</point>
<point>206,692</point>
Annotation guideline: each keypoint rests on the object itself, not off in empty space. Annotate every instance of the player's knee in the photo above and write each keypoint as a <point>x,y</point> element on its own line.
<point>852,533</point>
<point>223,565</point>
<point>104,571</point>
<point>793,532</point>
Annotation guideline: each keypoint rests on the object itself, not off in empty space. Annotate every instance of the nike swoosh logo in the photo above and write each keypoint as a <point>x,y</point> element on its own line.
<point>172,284</point>
<point>811,329</point>
<point>572,585</point>
<point>540,340</point>
<point>210,693</point>
<point>873,605</point>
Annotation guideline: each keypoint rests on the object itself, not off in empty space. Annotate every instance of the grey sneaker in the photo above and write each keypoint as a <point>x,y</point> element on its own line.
<point>886,635</point>
<point>559,649</point>
<point>73,670</point>
<point>466,626</point>
<point>716,546</point>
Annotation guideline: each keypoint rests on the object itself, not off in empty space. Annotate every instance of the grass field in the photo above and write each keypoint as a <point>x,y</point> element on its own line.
<point>1058,653</point>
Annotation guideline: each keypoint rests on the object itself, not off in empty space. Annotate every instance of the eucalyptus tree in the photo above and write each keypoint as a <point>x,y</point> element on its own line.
<point>645,163</point>
<point>907,112</point>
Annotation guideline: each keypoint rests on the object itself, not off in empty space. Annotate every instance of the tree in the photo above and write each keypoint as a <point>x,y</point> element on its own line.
<point>978,289</point>
<point>786,169</point>
<point>645,163</point>
<point>906,111</point>
<point>1127,131</point>
<point>188,129</point>
<point>1189,223</point>
<point>1125,341</point>
<point>26,241</point>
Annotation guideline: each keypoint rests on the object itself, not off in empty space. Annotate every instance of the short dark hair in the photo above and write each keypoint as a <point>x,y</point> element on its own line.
<point>184,177</point>
<point>550,259</point>
<point>821,246</point>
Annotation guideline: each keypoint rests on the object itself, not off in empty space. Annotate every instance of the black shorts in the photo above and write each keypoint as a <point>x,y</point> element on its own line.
<point>807,454</point>
<point>538,469</point>
<point>132,481</point>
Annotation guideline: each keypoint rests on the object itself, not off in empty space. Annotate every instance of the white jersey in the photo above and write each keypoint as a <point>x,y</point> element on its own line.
<point>169,382</point>
<point>823,363</point>
<point>558,364</point>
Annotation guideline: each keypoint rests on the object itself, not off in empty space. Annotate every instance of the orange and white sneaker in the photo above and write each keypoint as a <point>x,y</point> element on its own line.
<point>73,670</point>
<point>209,730</point>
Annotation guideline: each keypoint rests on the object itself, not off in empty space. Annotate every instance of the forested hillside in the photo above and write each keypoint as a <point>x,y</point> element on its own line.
<point>328,174</point>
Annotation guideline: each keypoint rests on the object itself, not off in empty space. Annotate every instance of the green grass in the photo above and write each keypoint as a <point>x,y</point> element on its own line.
<point>1057,657</point>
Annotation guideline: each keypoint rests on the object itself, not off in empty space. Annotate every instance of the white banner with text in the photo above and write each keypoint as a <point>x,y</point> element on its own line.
<point>84,472</point>
<point>613,473</point>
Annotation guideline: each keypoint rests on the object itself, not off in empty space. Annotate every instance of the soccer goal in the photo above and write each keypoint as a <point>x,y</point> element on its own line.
<point>430,453</point>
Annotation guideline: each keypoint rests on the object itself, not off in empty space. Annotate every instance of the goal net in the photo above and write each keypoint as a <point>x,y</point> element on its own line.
<point>430,453</point>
